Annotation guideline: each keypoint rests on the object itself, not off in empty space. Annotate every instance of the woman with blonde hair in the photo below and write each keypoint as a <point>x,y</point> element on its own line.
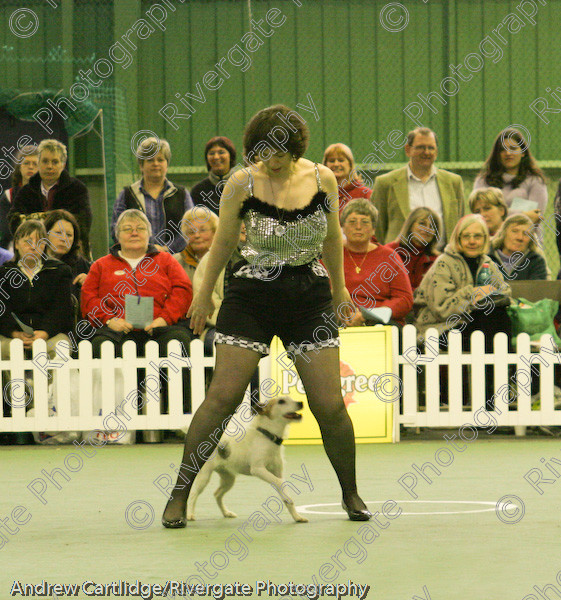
<point>454,294</point>
<point>516,252</point>
<point>339,158</point>
<point>198,227</point>
<point>489,202</point>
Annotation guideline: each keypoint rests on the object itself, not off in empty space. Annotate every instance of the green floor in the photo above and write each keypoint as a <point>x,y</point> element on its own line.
<point>81,533</point>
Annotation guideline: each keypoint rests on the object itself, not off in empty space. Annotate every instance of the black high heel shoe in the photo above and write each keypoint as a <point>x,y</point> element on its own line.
<point>179,523</point>
<point>175,524</point>
<point>357,515</point>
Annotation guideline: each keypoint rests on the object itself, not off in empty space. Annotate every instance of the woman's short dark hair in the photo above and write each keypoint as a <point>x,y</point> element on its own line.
<point>28,227</point>
<point>54,216</point>
<point>273,129</point>
<point>493,169</point>
<point>225,143</point>
<point>19,157</point>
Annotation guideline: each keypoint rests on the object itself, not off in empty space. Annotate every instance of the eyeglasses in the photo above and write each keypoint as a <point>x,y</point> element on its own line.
<point>424,148</point>
<point>472,236</point>
<point>137,229</point>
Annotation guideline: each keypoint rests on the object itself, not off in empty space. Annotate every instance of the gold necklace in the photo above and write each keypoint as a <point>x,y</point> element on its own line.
<point>357,268</point>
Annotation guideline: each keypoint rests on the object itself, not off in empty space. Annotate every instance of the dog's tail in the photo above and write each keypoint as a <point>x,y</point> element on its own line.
<point>223,451</point>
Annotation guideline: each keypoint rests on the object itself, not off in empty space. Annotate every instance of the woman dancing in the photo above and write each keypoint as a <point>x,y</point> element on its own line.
<point>289,206</point>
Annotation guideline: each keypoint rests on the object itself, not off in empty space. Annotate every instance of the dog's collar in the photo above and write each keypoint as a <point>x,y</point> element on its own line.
<point>274,438</point>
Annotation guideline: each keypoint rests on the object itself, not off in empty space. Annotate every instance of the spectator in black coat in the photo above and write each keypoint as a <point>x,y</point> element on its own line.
<point>63,243</point>
<point>220,158</point>
<point>51,188</point>
<point>36,290</point>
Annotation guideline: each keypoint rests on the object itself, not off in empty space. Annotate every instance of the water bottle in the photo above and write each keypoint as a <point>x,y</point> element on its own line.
<point>484,275</point>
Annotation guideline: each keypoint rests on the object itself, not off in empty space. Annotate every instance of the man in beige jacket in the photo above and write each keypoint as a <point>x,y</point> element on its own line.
<point>419,183</point>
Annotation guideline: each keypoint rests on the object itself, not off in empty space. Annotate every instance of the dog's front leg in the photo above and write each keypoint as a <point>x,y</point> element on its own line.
<point>264,474</point>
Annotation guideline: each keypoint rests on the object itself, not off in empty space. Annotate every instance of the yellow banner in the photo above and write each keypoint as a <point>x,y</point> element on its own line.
<point>368,385</point>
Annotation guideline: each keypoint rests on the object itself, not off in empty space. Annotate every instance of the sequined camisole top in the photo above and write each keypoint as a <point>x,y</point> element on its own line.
<point>277,238</point>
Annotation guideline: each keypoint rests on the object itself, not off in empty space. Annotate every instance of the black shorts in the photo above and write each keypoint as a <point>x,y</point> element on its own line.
<point>296,306</point>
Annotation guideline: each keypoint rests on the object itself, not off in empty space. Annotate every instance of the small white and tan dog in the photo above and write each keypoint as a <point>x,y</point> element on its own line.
<point>258,453</point>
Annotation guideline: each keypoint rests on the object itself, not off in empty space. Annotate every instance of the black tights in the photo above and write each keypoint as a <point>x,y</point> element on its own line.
<point>235,366</point>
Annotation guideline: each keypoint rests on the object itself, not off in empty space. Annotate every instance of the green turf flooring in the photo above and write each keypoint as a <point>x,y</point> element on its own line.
<point>83,531</point>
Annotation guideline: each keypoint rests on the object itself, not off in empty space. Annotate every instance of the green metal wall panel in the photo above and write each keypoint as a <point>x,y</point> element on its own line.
<point>360,75</point>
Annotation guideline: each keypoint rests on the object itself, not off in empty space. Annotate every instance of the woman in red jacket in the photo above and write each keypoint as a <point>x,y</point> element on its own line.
<point>374,275</point>
<point>339,158</point>
<point>417,241</point>
<point>132,272</point>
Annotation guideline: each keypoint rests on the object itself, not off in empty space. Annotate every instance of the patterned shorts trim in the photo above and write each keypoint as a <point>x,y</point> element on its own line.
<point>297,350</point>
<point>233,340</point>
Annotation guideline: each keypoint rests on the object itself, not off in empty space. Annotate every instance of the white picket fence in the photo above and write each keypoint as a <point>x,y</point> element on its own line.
<point>512,387</point>
<point>82,388</point>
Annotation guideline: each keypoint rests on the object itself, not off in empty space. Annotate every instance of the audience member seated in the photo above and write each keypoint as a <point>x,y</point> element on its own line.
<point>374,275</point>
<point>134,270</point>
<point>198,226</point>
<point>450,296</point>
<point>36,291</point>
<point>163,202</point>
<point>219,289</point>
<point>220,158</point>
<point>516,253</point>
<point>51,188</point>
<point>63,243</point>
<point>419,183</point>
<point>5,255</point>
<point>511,167</point>
<point>489,202</point>
<point>26,164</point>
<point>339,158</point>
<point>416,244</point>
<point>557,216</point>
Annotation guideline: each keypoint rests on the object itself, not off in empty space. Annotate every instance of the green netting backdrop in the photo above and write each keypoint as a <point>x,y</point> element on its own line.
<point>113,133</point>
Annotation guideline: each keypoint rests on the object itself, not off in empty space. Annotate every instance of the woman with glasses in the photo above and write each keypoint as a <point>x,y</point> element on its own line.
<point>135,270</point>
<point>464,289</point>
<point>373,277</point>
<point>198,226</point>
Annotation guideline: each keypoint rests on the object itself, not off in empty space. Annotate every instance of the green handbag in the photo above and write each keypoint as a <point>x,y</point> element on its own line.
<point>534,318</point>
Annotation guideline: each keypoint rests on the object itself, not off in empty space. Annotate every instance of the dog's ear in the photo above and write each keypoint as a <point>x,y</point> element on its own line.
<point>264,409</point>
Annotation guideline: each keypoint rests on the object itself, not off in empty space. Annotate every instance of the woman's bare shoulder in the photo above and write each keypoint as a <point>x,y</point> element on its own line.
<point>243,177</point>
<point>326,175</point>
